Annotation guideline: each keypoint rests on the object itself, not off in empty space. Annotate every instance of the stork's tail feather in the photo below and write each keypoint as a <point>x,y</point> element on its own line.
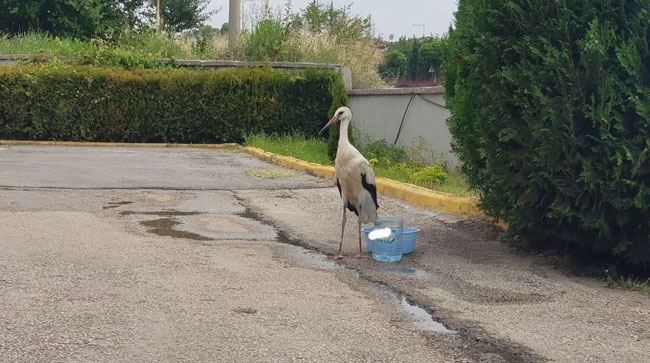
<point>368,210</point>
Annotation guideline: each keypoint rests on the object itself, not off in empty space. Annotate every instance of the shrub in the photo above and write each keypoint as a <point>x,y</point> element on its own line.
<point>429,176</point>
<point>55,102</point>
<point>395,64</point>
<point>269,42</point>
<point>550,117</point>
<point>381,150</point>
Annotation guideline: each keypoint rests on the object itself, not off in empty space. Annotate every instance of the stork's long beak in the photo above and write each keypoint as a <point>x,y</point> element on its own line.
<point>332,121</point>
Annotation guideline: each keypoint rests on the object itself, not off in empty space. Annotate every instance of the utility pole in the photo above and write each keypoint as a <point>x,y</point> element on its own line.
<point>242,15</point>
<point>422,25</point>
<point>158,16</point>
<point>234,15</point>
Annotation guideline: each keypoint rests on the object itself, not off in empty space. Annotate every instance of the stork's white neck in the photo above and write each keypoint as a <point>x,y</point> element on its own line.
<point>343,134</point>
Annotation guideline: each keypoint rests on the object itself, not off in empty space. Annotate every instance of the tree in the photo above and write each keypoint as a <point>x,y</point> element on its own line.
<point>429,56</point>
<point>98,18</point>
<point>338,22</point>
<point>550,117</point>
<point>421,54</point>
<point>74,18</point>
<point>133,12</point>
<point>412,63</point>
<point>395,64</point>
<point>180,15</point>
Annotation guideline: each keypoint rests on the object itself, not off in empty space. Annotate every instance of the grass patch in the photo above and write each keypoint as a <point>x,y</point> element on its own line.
<point>270,174</point>
<point>43,44</point>
<point>628,283</point>
<point>456,182</point>
<point>300,147</point>
<point>147,43</point>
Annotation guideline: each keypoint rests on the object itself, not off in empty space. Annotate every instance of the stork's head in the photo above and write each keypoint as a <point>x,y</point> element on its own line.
<point>341,114</point>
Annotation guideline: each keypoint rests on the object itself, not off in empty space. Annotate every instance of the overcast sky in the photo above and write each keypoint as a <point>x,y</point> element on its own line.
<point>389,16</point>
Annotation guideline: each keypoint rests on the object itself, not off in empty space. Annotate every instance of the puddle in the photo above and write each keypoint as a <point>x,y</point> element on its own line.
<point>407,271</point>
<point>112,205</point>
<point>403,270</point>
<point>280,237</point>
<point>160,213</point>
<point>165,227</point>
<point>423,320</point>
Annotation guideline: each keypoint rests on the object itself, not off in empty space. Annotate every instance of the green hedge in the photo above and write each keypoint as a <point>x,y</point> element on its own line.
<point>84,103</point>
<point>550,105</point>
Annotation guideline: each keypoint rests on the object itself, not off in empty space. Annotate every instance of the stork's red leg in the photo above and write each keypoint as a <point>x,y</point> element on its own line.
<point>339,255</point>
<point>360,255</point>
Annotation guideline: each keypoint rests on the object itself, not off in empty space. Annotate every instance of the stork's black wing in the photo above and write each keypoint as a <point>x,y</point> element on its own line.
<point>371,188</point>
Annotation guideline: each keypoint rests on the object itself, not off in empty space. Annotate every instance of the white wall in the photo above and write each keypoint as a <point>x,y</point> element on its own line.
<point>377,114</point>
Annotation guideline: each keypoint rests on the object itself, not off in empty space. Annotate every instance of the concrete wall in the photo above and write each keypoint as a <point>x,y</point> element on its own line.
<point>378,113</point>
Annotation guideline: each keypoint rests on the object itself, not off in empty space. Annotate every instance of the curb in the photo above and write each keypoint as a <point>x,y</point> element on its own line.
<point>466,207</point>
<point>291,162</point>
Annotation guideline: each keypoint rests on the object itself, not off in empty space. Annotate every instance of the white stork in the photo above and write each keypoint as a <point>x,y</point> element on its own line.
<point>354,179</point>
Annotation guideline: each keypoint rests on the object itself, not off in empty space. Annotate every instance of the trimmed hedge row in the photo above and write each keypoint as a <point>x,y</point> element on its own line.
<point>550,106</point>
<point>85,103</point>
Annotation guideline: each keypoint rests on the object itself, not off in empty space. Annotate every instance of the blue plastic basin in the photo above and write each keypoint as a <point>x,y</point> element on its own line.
<point>409,235</point>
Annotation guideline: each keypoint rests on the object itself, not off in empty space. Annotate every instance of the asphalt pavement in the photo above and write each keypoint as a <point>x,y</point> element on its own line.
<point>122,254</point>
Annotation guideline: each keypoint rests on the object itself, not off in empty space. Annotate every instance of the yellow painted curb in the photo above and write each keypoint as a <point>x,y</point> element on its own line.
<point>291,162</point>
<point>114,144</point>
<point>461,206</point>
<point>466,207</point>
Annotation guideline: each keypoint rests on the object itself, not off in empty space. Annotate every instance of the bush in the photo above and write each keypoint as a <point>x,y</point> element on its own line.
<point>429,176</point>
<point>395,64</point>
<point>55,102</point>
<point>381,150</point>
<point>269,42</point>
<point>550,117</point>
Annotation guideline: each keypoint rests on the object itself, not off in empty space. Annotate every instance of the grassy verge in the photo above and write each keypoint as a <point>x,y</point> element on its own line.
<point>42,44</point>
<point>628,283</point>
<point>315,150</point>
<point>300,147</point>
